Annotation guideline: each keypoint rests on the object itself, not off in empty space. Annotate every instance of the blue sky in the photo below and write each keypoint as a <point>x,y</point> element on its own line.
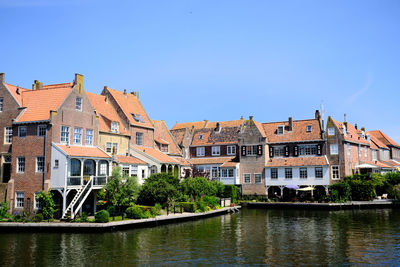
<point>217,60</point>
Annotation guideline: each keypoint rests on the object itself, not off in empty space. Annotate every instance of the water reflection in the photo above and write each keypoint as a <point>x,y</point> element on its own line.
<point>253,236</point>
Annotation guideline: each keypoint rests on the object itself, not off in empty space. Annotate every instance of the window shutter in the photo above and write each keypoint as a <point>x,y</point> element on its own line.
<point>243,150</point>
<point>271,152</point>
<point>319,149</point>
<point>286,151</point>
<point>259,150</point>
<point>296,151</point>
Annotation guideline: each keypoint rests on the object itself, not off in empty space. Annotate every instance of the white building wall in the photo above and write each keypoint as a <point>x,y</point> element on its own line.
<point>140,172</point>
<point>296,180</point>
<point>57,179</point>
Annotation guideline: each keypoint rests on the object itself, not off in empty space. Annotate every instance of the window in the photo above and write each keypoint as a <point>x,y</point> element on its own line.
<point>215,150</point>
<point>22,131</point>
<point>309,128</point>
<point>125,170</point>
<point>246,178</point>
<point>230,172</point>
<point>231,150</point>
<point>20,196</point>
<point>308,150</point>
<point>318,172</point>
<point>115,127</point>
<point>257,178</point>
<point>8,135</point>
<point>274,173</point>
<point>201,137</point>
<point>373,154</point>
<point>77,135</point>
<point>65,134</point>
<point>139,139</point>
<point>164,148</point>
<point>331,131</point>
<point>20,164</point>
<point>75,167</point>
<point>37,204</point>
<point>251,150</point>
<point>41,130</point>
<point>214,172</point>
<point>279,151</point>
<point>280,129</point>
<point>335,173</point>
<point>303,173</point>
<point>134,170</point>
<point>56,163</point>
<point>39,164</point>
<point>365,151</point>
<point>359,151</point>
<point>348,149</point>
<point>103,168</point>
<point>89,137</point>
<point>224,173</point>
<point>137,117</point>
<point>288,173</point>
<point>78,103</point>
<point>115,148</point>
<point>1,104</point>
<point>334,149</point>
<point>200,151</point>
<point>108,147</point>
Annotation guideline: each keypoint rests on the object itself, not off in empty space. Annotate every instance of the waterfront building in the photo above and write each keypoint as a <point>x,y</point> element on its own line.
<point>390,152</point>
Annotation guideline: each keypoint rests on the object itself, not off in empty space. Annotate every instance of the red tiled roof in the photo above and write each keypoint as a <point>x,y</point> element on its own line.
<point>106,113</point>
<point>352,134</point>
<point>204,161</point>
<point>207,124</point>
<point>378,163</point>
<point>130,160</point>
<point>229,163</point>
<point>392,163</point>
<point>179,135</point>
<point>156,154</point>
<point>376,143</point>
<point>13,91</point>
<point>383,138</point>
<point>298,133</point>
<point>39,103</point>
<point>83,151</point>
<point>182,161</point>
<point>163,136</point>
<point>130,104</point>
<point>298,161</point>
<point>227,135</point>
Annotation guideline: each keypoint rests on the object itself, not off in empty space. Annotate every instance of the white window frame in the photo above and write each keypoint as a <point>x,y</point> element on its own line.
<point>134,170</point>
<point>40,130</point>
<point>348,149</point>
<point>251,150</point>
<point>115,127</point>
<point>215,150</point>
<point>373,154</point>
<point>139,138</point>
<point>359,151</point>
<point>366,152</point>
<point>200,151</point>
<point>317,170</point>
<point>334,149</point>
<point>56,163</point>
<point>278,150</point>
<point>78,104</point>
<point>36,204</point>
<point>64,136</point>
<point>40,164</point>
<point>274,173</point>
<point>309,128</point>
<point>108,147</point>
<point>19,199</point>
<point>256,176</point>
<point>103,169</point>
<point>7,135</point>
<point>231,150</point>
<point>331,131</point>
<point>287,173</point>
<point>303,173</point>
<point>21,164</point>
<point>336,167</point>
<point>280,127</point>
<point>20,131</point>
<point>89,137</point>
<point>231,175</point>
<point>247,175</point>
<point>78,135</point>
<point>114,147</point>
<point>308,150</point>
<point>214,172</point>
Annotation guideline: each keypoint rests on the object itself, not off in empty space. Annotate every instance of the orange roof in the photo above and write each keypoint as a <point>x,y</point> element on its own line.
<point>83,151</point>
<point>205,161</point>
<point>156,154</point>
<point>376,143</point>
<point>182,161</point>
<point>39,103</point>
<point>378,163</point>
<point>352,134</point>
<point>298,133</point>
<point>13,91</point>
<point>163,136</point>
<point>207,124</point>
<point>208,136</point>
<point>383,138</point>
<point>129,105</point>
<point>106,113</point>
<point>130,160</point>
<point>234,123</point>
<point>297,162</point>
<point>230,163</point>
<point>179,135</point>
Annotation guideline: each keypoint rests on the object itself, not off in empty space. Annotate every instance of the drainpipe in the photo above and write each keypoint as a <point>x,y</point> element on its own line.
<point>65,185</point>
<point>44,160</point>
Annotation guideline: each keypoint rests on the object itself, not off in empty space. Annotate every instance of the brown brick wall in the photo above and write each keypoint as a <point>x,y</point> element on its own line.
<point>148,136</point>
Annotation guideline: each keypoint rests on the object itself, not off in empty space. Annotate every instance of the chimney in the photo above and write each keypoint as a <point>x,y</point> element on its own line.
<point>217,128</point>
<point>251,118</point>
<point>317,114</point>
<point>79,82</point>
<point>355,126</point>
<point>125,92</point>
<point>290,124</point>
<point>37,85</point>
<point>2,77</point>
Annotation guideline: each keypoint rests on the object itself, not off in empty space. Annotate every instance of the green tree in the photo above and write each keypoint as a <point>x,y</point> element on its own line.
<point>47,204</point>
<point>159,188</point>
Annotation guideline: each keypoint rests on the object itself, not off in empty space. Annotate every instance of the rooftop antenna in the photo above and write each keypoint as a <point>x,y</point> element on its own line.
<point>322,108</point>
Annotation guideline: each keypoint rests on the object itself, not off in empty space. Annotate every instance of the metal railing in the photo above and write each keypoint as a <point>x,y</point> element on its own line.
<point>76,180</point>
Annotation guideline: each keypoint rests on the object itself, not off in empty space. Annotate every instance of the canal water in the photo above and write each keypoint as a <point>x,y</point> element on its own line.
<point>250,237</point>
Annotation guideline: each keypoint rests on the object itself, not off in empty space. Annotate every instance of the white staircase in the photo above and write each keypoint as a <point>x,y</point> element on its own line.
<point>78,200</point>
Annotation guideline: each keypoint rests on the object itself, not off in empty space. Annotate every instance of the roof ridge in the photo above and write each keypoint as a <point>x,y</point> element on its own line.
<point>287,121</point>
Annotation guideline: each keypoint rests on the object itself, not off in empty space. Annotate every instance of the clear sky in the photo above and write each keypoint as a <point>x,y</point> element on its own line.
<point>217,60</point>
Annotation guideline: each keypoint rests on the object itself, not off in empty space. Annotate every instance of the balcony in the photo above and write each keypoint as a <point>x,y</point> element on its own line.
<point>78,181</point>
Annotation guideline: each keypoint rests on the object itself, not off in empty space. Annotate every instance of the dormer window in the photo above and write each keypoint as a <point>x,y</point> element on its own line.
<point>201,137</point>
<point>78,103</point>
<point>137,117</point>
<point>164,148</point>
<point>309,128</point>
<point>281,129</point>
<point>115,127</point>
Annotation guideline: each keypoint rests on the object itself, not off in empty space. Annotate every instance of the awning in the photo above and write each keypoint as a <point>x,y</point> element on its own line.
<point>366,166</point>
<point>292,186</point>
<point>309,188</point>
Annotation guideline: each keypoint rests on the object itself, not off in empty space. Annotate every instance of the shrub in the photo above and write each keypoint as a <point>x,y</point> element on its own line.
<point>188,206</point>
<point>201,206</point>
<point>211,201</point>
<point>156,210</point>
<point>392,178</point>
<point>102,216</point>
<point>230,191</point>
<point>48,205</point>
<point>3,210</point>
<point>339,191</point>
<point>362,190</point>
<point>38,217</point>
<point>395,192</point>
<point>134,212</point>
<point>199,186</point>
<point>158,188</point>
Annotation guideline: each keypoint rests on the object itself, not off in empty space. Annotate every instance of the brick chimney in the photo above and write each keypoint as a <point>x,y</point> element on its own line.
<point>218,127</point>
<point>37,85</point>
<point>355,126</point>
<point>2,75</point>
<point>290,120</point>
<point>317,114</point>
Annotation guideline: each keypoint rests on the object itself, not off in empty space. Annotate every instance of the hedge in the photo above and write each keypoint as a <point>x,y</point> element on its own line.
<point>102,216</point>
<point>188,206</point>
